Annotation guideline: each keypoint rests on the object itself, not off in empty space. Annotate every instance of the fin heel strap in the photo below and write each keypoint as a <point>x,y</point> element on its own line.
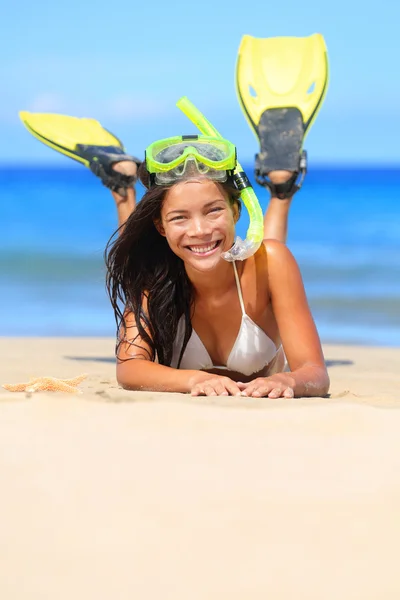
<point>288,188</point>
<point>101,160</point>
<point>114,180</point>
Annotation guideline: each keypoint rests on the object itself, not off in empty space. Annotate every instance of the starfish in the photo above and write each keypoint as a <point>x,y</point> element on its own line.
<point>48,384</point>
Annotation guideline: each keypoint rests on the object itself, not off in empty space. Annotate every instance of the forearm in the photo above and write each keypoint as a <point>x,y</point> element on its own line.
<point>145,375</point>
<point>310,381</point>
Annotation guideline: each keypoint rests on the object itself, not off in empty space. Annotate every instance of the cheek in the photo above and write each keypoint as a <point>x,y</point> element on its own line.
<point>225,225</point>
<point>231,228</point>
<point>172,235</point>
<point>230,221</point>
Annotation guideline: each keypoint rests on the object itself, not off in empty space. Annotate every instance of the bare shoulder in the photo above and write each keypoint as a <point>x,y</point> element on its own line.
<point>278,258</point>
<point>277,250</point>
<point>282,270</point>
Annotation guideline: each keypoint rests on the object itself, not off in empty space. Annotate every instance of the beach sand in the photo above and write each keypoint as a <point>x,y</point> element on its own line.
<point>123,495</point>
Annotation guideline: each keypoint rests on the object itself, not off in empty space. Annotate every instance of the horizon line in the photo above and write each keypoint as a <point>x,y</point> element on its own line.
<point>319,165</point>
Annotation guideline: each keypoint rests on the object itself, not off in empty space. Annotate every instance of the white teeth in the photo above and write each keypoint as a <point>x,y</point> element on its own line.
<point>203,249</point>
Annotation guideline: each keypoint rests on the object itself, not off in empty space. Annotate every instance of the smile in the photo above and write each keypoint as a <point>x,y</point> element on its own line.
<point>205,249</point>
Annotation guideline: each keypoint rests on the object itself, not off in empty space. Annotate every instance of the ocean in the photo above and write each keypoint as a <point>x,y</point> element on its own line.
<point>344,231</point>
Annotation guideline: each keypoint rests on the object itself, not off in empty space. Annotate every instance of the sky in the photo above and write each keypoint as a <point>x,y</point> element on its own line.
<point>126,64</point>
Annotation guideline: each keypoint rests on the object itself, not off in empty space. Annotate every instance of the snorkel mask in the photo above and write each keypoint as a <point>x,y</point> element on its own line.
<point>190,156</point>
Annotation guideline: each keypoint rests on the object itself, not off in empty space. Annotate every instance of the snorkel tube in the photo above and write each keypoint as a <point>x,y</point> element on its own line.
<point>241,249</point>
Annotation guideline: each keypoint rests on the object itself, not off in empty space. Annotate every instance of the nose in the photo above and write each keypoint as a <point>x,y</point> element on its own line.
<point>199,227</point>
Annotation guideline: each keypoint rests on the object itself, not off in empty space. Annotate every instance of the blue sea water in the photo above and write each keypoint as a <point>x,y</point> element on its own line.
<point>344,231</point>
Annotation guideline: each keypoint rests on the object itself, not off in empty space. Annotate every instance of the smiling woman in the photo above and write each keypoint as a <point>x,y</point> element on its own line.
<point>190,318</point>
<point>189,321</point>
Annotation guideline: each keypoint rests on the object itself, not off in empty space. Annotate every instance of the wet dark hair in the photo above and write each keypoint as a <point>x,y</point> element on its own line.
<point>140,264</point>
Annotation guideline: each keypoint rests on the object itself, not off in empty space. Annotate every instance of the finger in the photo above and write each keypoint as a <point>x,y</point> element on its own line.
<point>209,390</point>
<point>249,388</point>
<point>220,389</point>
<point>242,385</point>
<point>275,393</point>
<point>197,391</point>
<point>262,390</point>
<point>288,393</point>
<point>233,388</point>
<point>258,390</point>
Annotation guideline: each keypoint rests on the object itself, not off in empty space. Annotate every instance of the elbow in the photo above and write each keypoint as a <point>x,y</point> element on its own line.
<point>324,384</point>
<point>128,385</point>
<point>127,380</point>
<point>318,386</point>
<point>136,375</point>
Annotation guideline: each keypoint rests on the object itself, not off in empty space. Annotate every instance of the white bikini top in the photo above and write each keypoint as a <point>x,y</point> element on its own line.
<point>252,351</point>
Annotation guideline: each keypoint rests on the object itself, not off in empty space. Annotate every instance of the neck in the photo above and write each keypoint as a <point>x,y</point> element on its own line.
<point>212,283</point>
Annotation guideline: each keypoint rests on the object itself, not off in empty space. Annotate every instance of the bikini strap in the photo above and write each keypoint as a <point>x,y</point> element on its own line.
<point>239,289</point>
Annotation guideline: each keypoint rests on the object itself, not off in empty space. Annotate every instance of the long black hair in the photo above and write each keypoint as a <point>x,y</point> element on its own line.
<point>140,264</point>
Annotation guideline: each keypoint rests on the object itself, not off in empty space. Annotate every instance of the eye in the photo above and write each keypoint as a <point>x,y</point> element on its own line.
<point>216,209</point>
<point>177,218</point>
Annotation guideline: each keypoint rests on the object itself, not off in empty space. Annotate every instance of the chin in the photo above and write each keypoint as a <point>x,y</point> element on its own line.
<point>209,266</point>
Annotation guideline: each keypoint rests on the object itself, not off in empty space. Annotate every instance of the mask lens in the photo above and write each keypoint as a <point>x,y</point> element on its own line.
<point>190,169</point>
<point>210,151</point>
<point>168,155</point>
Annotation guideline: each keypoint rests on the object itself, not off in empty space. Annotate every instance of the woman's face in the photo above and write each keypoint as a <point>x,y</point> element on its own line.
<point>199,222</point>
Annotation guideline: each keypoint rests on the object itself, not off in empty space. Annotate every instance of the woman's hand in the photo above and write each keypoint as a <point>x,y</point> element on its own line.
<point>280,385</point>
<point>206,384</point>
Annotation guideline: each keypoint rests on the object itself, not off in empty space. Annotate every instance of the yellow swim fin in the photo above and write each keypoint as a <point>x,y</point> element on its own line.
<point>84,140</point>
<point>281,83</point>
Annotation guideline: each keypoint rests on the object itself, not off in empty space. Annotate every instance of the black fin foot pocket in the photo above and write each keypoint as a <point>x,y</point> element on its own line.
<point>101,159</point>
<point>281,133</point>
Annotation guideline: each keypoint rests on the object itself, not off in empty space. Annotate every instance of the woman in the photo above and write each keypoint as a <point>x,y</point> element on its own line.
<point>188,320</point>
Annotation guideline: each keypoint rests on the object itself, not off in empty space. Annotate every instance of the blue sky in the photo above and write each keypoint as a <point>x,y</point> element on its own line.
<point>127,64</point>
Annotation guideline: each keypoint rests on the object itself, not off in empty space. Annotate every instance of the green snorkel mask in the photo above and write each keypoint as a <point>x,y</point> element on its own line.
<point>190,156</point>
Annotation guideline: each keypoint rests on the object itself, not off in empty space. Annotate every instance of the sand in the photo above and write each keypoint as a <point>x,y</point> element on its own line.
<point>125,495</point>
